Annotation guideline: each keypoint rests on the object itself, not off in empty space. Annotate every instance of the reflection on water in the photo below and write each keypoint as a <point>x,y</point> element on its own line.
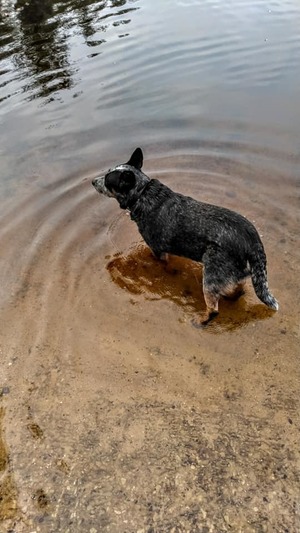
<point>44,51</point>
<point>35,36</point>
<point>117,414</point>
<point>180,281</point>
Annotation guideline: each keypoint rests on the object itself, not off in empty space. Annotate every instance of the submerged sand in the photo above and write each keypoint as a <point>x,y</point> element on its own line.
<point>117,414</point>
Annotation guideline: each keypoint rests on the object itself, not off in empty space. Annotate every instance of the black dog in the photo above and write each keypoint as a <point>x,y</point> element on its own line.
<point>225,242</point>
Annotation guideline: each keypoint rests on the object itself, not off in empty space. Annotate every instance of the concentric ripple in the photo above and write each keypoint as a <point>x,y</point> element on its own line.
<point>75,237</point>
<point>87,312</point>
<point>117,412</point>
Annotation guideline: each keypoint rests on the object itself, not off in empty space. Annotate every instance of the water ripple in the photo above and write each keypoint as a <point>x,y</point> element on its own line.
<point>70,229</point>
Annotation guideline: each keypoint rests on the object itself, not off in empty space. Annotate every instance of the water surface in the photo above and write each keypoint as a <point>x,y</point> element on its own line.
<point>117,414</point>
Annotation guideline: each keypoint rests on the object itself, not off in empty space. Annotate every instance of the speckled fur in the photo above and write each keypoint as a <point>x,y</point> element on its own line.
<point>226,243</point>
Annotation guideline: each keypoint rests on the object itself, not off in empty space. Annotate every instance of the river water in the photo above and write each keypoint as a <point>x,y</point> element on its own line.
<point>116,413</point>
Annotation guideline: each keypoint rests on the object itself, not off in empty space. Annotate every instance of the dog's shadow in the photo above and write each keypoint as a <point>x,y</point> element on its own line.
<point>178,280</point>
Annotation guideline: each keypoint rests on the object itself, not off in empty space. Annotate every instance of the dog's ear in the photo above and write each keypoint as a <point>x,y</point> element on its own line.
<point>136,159</point>
<point>127,181</point>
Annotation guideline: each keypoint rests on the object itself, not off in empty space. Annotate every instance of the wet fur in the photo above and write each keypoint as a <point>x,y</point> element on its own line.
<point>226,243</point>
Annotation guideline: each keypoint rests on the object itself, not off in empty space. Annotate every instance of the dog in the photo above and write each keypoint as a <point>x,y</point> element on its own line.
<point>225,242</point>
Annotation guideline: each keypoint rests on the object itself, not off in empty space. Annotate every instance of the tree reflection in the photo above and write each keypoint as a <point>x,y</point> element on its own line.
<point>88,20</point>
<point>40,32</point>
<point>44,49</point>
<point>34,11</point>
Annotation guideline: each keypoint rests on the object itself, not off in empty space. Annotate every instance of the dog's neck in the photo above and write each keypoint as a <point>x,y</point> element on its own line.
<point>131,203</point>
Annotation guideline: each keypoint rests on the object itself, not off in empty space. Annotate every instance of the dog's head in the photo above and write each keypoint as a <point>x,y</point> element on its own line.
<point>124,182</point>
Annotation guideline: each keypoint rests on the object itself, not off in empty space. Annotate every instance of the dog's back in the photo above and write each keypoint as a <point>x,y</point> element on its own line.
<point>177,224</point>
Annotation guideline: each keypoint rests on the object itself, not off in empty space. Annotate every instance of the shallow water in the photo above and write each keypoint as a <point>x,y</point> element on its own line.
<point>116,413</point>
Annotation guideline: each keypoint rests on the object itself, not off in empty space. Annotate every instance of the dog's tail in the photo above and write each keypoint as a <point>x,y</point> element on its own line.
<point>258,268</point>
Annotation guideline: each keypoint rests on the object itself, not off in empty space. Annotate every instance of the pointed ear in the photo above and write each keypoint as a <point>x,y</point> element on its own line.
<point>136,159</point>
<point>127,181</point>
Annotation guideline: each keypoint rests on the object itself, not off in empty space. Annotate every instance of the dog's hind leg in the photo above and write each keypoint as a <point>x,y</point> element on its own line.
<point>212,307</point>
<point>212,303</point>
<point>211,294</point>
<point>221,277</point>
<point>234,291</point>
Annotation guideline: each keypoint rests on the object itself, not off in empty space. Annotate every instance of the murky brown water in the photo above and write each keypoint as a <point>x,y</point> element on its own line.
<point>116,413</point>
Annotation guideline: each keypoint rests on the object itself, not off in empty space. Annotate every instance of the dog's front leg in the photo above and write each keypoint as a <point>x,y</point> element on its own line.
<point>164,257</point>
<point>161,256</point>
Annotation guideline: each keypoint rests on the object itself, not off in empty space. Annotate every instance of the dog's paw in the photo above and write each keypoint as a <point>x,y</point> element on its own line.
<point>198,324</point>
<point>204,320</point>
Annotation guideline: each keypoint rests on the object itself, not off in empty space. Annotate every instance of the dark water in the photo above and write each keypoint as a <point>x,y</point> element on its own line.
<point>79,77</point>
<point>117,415</point>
